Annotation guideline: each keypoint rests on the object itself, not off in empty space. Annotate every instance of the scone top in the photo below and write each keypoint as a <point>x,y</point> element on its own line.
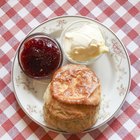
<point>75,84</point>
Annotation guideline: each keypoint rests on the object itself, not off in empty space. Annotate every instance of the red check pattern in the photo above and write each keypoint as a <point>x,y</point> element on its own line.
<point>17,18</point>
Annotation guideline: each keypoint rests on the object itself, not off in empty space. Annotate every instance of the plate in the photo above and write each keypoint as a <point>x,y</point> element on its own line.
<point>113,70</point>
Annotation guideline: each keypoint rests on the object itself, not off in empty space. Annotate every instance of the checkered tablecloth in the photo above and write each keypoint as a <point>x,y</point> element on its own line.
<point>17,18</point>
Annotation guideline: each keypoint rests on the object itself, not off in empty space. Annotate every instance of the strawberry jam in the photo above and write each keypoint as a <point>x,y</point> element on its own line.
<point>40,56</point>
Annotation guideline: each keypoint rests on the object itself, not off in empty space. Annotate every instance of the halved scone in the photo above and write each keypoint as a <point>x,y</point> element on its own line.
<point>72,99</point>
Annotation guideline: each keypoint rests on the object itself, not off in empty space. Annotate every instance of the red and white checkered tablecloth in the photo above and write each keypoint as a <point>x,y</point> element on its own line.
<point>17,18</point>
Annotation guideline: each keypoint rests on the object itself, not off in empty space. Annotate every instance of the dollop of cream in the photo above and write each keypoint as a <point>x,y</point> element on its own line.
<point>84,43</point>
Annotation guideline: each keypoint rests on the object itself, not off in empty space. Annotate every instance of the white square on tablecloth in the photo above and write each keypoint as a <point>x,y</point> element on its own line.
<point>138,138</point>
<point>12,3</point>
<point>138,111</point>
<point>3,72</point>
<point>72,11</point>
<point>120,34</point>
<point>47,12</point>
<point>32,137</point>
<point>6,137</point>
<point>121,11</point>
<point>1,12</point>
<point>115,137</point>
<point>20,125</point>
<point>20,35</point>
<point>5,47</point>
<point>133,71</point>
<point>134,2</point>
<point>131,98</point>
<point>61,2</point>
<point>109,2</point>
<point>9,112</point>
<point>132,23</point>
<point>36,2</point>
<point>23,12</point>
<point>1,98</point>
<point>96,11</point>
<point>34,23</point>
<point>87,137</point>
<point>129,125</point>
<point>108,22</point>
<point>9,24</point>
<point>132,46</point>
<point>59,137</point>
<point>85,2</point>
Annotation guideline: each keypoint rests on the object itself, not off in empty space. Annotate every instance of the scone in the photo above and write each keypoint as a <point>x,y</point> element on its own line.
<point>72,99</point>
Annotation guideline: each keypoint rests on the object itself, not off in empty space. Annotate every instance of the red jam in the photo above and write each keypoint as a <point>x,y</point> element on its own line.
<point>40,56</point>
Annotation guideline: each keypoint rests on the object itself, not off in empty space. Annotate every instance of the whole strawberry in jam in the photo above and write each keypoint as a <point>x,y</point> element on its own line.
<point>40,56</point>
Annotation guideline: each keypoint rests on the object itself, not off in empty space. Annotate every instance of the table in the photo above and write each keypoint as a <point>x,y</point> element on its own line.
<point>17,18</point>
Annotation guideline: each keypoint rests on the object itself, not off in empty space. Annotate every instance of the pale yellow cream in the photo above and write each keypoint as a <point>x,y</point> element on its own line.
<point>85,43</point>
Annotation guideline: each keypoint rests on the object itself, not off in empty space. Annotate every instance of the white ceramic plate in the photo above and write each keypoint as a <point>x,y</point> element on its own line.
<point>113,70</point>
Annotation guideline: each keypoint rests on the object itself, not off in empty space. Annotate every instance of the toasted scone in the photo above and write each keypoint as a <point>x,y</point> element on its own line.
<point>72,99</point>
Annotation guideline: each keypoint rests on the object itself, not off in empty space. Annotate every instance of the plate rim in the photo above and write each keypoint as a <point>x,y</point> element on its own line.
<point>129,70</point>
